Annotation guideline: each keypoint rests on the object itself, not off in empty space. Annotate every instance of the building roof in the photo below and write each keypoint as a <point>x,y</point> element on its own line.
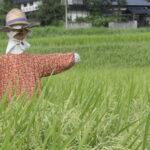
<point>131,3</point>
<point>24,1</point>
<point>137,3</point>
<point>140,11</point>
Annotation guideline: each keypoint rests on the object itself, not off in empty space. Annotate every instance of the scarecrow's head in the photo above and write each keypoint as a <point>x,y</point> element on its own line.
<point>17,24</point>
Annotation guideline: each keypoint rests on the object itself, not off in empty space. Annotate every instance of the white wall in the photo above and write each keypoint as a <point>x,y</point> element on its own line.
<point>30,7</point>
<point>77,14</point>
<point>71,2</point>
<point>130,24</point>
<point>148,20</point>
<point>79,25</point>
<point>77,2</point>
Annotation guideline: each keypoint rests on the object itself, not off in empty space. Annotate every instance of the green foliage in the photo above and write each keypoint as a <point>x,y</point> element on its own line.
<point>9,4</point>
<point>51,12</point>
<point>97,21</point>
<point>2,13</point>
<point>100,21</point>
<point>97,7</point>
<point>5,6</point>
<point>122,2</point>
<point>82,19</point>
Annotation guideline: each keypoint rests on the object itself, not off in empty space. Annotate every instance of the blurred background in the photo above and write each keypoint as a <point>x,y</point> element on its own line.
<point>82,13</point>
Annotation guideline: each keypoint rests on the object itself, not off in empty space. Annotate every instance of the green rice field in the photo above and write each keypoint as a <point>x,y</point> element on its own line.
<point>102,103</point>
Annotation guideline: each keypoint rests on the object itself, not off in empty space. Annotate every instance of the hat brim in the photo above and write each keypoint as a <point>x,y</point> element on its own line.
<point>10,28</point>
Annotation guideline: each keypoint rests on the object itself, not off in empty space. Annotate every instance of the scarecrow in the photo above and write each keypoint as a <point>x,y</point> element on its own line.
<point>21,72</point>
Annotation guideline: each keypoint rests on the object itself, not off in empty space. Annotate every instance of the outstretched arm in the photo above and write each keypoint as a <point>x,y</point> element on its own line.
<point>51,64</point>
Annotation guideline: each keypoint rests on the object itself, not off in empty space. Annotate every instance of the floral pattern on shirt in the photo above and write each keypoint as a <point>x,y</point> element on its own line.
<point>22,73</point>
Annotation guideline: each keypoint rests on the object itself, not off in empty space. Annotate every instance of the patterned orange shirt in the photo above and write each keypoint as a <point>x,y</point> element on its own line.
<point>21,73</point>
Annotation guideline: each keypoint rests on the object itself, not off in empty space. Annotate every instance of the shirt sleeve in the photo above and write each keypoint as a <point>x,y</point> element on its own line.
<point>51,64</point>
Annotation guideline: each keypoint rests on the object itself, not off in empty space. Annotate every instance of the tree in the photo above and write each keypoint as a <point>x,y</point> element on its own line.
<point>5,6</point>
<point>97,7</point>
<point>2,13</point>
<point>121,3</point>
<point>9,4</point>
<point>50,12</point>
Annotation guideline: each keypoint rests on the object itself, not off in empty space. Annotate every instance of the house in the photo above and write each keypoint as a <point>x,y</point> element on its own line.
<point>29,5</point>
<point>76,8</point>
<point>134,10</point>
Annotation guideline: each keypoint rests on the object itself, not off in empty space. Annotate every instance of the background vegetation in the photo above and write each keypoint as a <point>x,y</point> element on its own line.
<point>103,103</point>
<point>52,12</point>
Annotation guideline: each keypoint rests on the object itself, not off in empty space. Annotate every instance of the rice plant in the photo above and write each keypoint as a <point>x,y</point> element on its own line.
<point>103,103</point>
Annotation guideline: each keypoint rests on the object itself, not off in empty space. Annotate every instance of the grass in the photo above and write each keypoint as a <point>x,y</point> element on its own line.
<point>103,103</point>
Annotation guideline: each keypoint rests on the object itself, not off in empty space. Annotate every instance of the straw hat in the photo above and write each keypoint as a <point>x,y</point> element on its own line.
<point>16,17</point>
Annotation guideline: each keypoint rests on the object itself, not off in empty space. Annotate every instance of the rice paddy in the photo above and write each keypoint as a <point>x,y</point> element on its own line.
<point>102,103</point>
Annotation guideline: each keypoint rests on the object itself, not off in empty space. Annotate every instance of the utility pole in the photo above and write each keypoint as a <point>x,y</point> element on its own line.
<point>66,14</point>
<point>119,10</point>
